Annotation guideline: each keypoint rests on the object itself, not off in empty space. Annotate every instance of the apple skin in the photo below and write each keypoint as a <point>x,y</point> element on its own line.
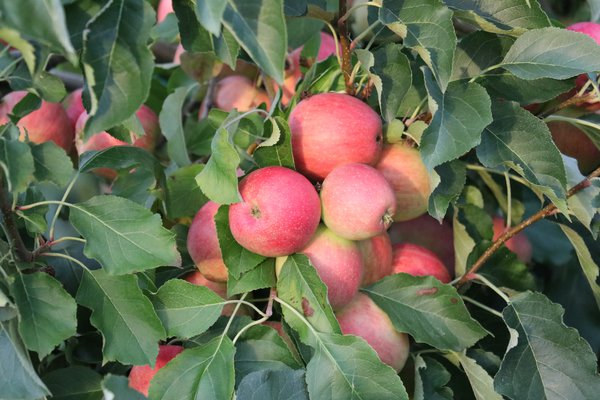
<point>518,244</point>
<point>73,104</point>
<point>573,142</point>
<point>331,129</point>
<point>238,92</point>
<point>402,166</point>
<point>377,258</point>
<point>165,7</point>
<point>418,261</point>
<point>48,123</point>
<point>141,375</point>
<point>357,202</point>
<point>362,317</point>
<point>338,262</point>
<point>279,213</point>
<point>592,30</point>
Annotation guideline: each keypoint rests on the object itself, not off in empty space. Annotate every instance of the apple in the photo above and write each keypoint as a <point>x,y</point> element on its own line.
<point>402,166</point>
<point>203,244</point>
<point>592,30</point>
<point>418,261</point>
<point>279,213</point>
<point>331,129</point>
<point>362,317</point>
<point>573,142</point>
<point>377,258</point>
<point>73,104</point>
<point>165,7</point>
<point>48,123</point>
<point>238,92</point>
<point>518,244</point>
<point>357,201</point>
<point>141,375</point>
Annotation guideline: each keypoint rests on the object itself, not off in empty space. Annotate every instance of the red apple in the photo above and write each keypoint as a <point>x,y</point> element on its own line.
<point>363,318</point>
<point>49,122</point>
<point>165,7</point>
<point>238,92</point>
<point>518,244</point>
<point>203,244</point>
<point>279,213</point>
<point>418,261</point>
<point>331,129</point>
<point>74,106</point>
<point>402,166</point>
<point>357,201</point>
<point>573,142</point>
<point>377,258</point>
<point>141,375</point>
<point>592,30</point>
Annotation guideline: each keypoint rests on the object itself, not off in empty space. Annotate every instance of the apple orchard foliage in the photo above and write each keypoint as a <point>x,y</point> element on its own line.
<point>93,245</point>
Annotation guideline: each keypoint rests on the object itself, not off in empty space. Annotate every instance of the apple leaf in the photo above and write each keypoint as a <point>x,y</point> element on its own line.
<point>428,310</point>
<point>17,164</point>
<point>51,164</point>
<point>186,309</point>
<point>512,17</point>
<point>300,286</point>
<point>545,358</point>
<point>477,51</point>
<point>18,379</point>
<point>204,372</point>
<point>259,277</point>
<point>503,85</point>
<point>426,27</point>
<point>453,176</point>
<point>123,236</point>
<point>552,53</point>
<point>582,204</point>
<point>194,37</point>
<point>74,382</point>
<point>46,311</point>
<point>459,117</point>
<point>431,379</point>
<point>117,62</point>
<point>280,153</point>
<point>117,387</point>
<point>125,317</point>
<point>481,382</point>
<point>185,197</point>
<point>280,384</point>
<point>209,14</point>
<point>171,125</point>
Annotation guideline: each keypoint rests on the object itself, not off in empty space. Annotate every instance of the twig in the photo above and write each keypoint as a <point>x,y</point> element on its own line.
<point>11,226</point>
<point>346,61</point>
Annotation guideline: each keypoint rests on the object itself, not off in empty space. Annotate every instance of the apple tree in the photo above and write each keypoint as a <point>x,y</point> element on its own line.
<point>299,199</point>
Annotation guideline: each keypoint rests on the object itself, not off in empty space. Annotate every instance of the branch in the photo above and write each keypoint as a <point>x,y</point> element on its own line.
<point>543,213</point>
<point>345,44</point>
<point>11,226</point>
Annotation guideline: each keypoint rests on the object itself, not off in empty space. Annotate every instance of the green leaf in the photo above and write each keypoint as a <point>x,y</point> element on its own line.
<point>431,379</point>
<point>185,197</point>
<point>259,277</point>
<point>51,164</point>
<point>186,309</point>
<point>518,140</point>
<point>478,51</point>
<point>171,126</point>
<point>512,17</point>
<point>504,85</point>
<point>426,27</point>
<point>123,236</point>
<point>203,372</point>
<point>209,13</point>
<point>14,38</point>
<point>481,383</point>
<point>582,203</point>
<point>116,387</point>
<point>117,62</point>
<point>428,310</point>
<point>78,14</point>
<point>125,317</point>
<point>393,79</point>
<point>552,53</point>
<point>259,27</point>
<point>46,311</point>
<point>300,286</point>
<point>35,218</point>
<point>281,384</point>
<point>346,367</point>
<point>545,358</point>
<point>218,180</point>
<point>18,379</point>
<point>17,164</point>
<point>459,117</point>
<point>26,105</point>
<point>280,153</point>
<point>453,176</point>
<point>237,259</point>
<point>74,383</point>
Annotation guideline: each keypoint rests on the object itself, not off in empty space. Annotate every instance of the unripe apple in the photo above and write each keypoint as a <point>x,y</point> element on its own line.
<point>279,213</point>
<point>331,129</point>
<point>402,166</point>
<point>165,7</point>
<point>573,142</point>
<point>48,123</point>
<point>73,104</point>
<point>418,261</point>
<point>238,92</point>
<point>518,244</point>
<point>357,201</point>
<point>203,244</point>
<point>362,317</point>
<point>377,258</point>
<point>141,375</point>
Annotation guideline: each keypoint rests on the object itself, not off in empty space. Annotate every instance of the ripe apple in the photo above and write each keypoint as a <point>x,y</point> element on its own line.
<point>203,244</point>
<point>74,106</point>
<point>357,201</point>
<point>518,244</point>
<point>165,7</point>
<point>402,166</point>
<point>238,92</point>
<point>592,30</point>
<point>279,213</point>
<point>331,129</point>
<point>362,317</point>
<point>49,122</point>
<point>418,261</point>
<point>573,142</point>
<point>377,258</point>
<point>141,375</point>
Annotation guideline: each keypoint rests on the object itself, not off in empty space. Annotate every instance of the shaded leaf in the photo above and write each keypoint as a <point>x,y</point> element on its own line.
<point>259,277</point>
<point>185,196</point>
<point>74,383</point>
<point>281,384</point>
<point>116,387</point>
<point>209,13</point>
<point>51,163</point>
<point>171,126</point>
<point>431,379</point>
<point>453,176</point>
<point>393,79</point>
<point>17,164</point>
<point>481,382</point>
